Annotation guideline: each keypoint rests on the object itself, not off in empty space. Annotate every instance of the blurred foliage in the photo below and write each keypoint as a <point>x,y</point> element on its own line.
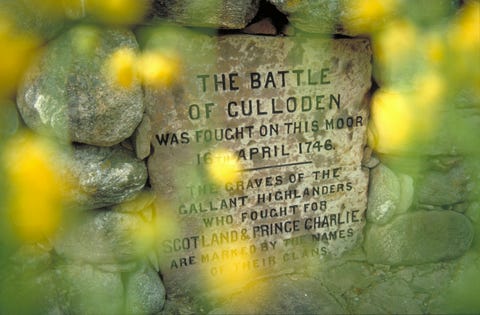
<point>426,63</point>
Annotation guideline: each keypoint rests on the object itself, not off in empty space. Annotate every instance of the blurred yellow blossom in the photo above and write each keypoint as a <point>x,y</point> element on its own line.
<point>464,44</point>
<point>120,12</point>
<point>36,188</point>
<point>430,89</point>
<point>365,16</point>
<point>428,99</point>
<point>158,69</point>
<point>144,238</point>
<point>434,48</point>
<point>51,8</point>
<point>87,39</point>
<point>396,43</point>
<point>392,119</point>
<point>224,166</point>
<point>122,67</point>
<point>240,269</point>
<point>16,53</point>
<point>464,33</point>
<point>142,205</point>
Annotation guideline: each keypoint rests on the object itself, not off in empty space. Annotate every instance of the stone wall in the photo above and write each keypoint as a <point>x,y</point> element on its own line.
<point>419,247</point>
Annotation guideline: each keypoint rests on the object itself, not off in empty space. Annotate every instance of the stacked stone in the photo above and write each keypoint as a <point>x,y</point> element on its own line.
<point>97,264</point>
<point>419,221</point>
<point>415,221</point>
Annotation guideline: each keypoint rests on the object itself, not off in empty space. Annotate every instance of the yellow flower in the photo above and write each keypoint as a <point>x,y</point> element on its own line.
<point>224,166</point>
<point>434,48</point>
<point>427,101</point>
<point>36,189</point>
<point>430,88</point>
<point>464,43</point>
<point>50,8</point>
<point>391,124</point>
<point>158,69</point>
<point>16,53</point>
<point>464,34</point>
<point>120,12</point>
<point>121,67</point>
<point>395,43</point>
<point>364,16</point>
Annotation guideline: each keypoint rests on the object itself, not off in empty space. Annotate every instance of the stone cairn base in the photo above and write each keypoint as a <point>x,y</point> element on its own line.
<point>420,231</point>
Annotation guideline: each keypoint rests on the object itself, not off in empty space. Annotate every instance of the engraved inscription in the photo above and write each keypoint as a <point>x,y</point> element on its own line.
<point>293,131</point>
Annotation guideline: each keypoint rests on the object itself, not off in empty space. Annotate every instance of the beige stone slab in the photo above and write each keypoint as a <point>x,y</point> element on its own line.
<point>301,192</point>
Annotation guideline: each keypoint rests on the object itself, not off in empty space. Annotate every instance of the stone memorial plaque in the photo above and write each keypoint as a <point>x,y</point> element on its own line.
<point>282,122</point>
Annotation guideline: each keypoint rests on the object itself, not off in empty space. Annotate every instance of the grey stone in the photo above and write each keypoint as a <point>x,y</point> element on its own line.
<point>69,90</point>
<point>296,294</point>
<point>341,16</point>
<point>27,291</point>
<point>142,203</point>
<point>461,294</point>
<point>473,212</point>
<point>431,278</point>
<point>84,289</point>
<point>320,16</point>
<point>393,296</point>
<point>118,266</point>
<point>443,188</point>
<point>142,145</point>
<point>230,14</point>
<point>370,160</point>
<point>313,16</point>
<point>406,193</point>
<point>419,237</point>
<point>104,176</point>
<point>144,292</point>
<point>344,276</point>
<point>383,196</point>
<point>31,258</point>
<point>102,237</point>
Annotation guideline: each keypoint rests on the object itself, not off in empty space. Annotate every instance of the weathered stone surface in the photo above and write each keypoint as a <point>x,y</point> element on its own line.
<point>391,296</point>
<point>144,292</point>
<point>142,145</point>
<point>295,93</point>
<point>419,237</point>
<point>27,291</point>
<point>69,90</point>
<point>282,295</point>
<point>406,192</point>
<point>142,203</point>
<point>262,27</point>
<point>349,17</point>
<point>31,258</point>
<point>86,290</point>
<point>230,14</point>
<point>102,237</point>
<point>104,176</point>
<point>443,187</point>
<point>460,296</point>
<point>383,195</point>
<point>313,16</point>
